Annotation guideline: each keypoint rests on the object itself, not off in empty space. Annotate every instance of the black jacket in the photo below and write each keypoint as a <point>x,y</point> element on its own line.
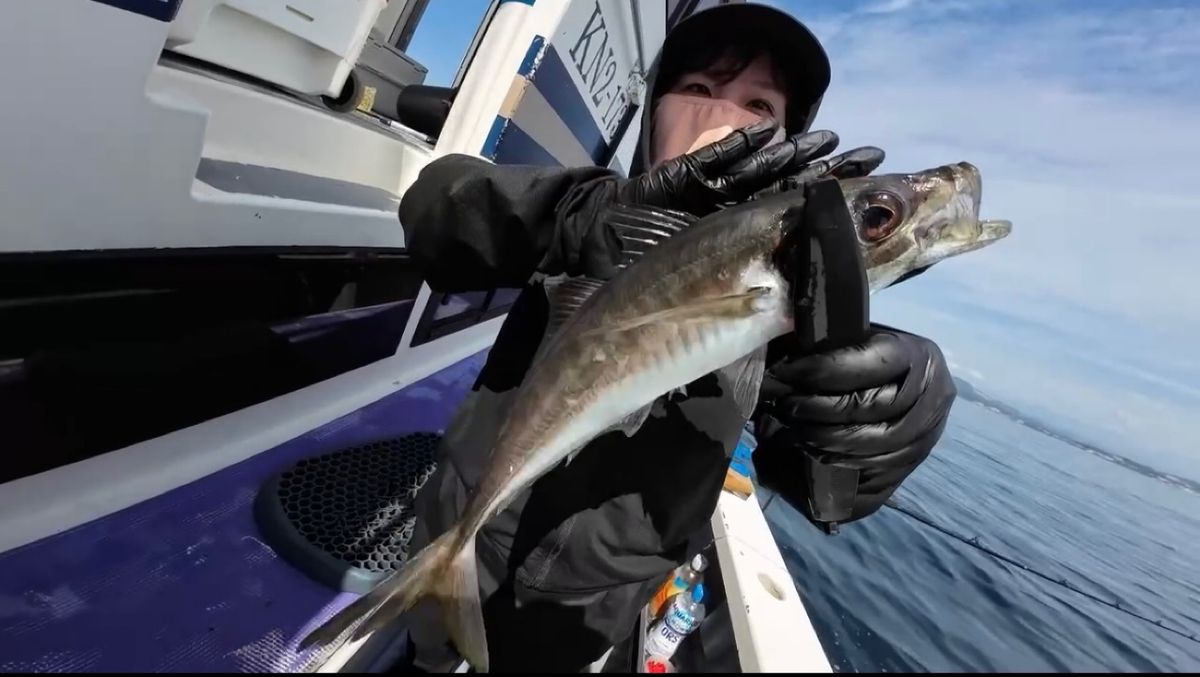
<point>581,552</point>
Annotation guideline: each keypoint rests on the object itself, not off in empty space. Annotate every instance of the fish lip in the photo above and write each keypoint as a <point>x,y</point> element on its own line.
<point>994,229</point>
<point>990,232</point>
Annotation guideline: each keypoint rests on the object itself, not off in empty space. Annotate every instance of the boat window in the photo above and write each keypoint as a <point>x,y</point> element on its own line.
<point>100,352</point>
<point>444,38</point>
<point>447,313</point>
<point>501,301</point>
<point>416,55</point>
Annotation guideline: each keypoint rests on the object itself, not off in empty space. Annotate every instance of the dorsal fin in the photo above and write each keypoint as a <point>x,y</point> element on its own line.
<point>641,227</point>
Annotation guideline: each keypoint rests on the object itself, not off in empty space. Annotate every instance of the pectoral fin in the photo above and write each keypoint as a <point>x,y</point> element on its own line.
<point>566,295</point>
<point>641,228</point>
<point>747,376</point>
<point>628,425</point>
<point>633,422</point>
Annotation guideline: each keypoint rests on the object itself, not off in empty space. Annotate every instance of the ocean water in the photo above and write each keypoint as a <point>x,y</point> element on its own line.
<point>891,594</point>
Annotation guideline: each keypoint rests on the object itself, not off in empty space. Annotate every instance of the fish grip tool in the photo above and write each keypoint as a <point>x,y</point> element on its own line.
<point>832,310</point>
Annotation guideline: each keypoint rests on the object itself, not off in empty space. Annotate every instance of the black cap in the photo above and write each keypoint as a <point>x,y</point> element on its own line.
<point>796,50</point>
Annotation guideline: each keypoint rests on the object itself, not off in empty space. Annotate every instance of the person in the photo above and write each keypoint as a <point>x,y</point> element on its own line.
<point>565,570</point>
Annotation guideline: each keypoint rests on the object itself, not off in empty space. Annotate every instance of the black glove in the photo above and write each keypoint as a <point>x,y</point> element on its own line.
<point>725,172</point>
<point>854,163</point>
<point>877,408</point>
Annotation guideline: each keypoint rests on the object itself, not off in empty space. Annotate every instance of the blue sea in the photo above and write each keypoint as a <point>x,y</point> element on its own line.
<point>889,593</point>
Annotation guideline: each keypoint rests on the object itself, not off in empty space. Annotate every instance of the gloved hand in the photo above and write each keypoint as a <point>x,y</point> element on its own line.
<point>878,407</point>
<point>725,172</point>
<point>854,163</point>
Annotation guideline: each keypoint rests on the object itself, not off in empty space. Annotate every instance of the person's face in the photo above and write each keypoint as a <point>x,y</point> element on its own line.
<point>753,89</point>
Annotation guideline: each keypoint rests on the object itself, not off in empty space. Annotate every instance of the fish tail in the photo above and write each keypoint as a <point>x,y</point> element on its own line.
<point>452,579</point>
<point>458,591</point>
<point>420,576</point>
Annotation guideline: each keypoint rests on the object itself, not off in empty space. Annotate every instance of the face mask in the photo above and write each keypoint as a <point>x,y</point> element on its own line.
<point>684,123</point>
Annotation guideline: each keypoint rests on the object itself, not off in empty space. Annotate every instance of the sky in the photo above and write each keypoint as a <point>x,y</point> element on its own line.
<point>1084,118</point>
<point>443,36</point>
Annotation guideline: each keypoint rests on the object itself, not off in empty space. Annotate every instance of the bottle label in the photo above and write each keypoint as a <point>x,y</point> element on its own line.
<point>679,620</point>
<point>663,640</point>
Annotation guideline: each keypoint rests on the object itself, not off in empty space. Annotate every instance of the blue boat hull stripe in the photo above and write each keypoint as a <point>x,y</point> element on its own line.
<point>550,131</point>
<point>545,119</point>
<point>520,149</point>
<point>163,10</point>
<point>492,143</point>
<point>531,56</point>
<point>566,99</point>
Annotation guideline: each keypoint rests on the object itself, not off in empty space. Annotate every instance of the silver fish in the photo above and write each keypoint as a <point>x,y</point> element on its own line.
<point>693,298</point>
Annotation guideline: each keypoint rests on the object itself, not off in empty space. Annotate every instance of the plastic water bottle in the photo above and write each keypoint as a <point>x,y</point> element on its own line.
<point>737,477</point>
<point>683,615</point>
<point>685,577</point>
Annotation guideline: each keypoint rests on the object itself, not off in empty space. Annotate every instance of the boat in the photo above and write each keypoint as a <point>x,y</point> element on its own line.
<point>212,339</point>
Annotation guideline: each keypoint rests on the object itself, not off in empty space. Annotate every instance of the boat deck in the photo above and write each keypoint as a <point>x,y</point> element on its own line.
<point>184,582</point>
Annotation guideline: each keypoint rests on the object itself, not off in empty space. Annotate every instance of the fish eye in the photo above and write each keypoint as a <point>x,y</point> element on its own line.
<point>879,216</point>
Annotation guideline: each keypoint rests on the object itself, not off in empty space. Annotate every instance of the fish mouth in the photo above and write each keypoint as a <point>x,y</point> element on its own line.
<point>968,183</point>
<point>988,232</point>
<point>992,230</point>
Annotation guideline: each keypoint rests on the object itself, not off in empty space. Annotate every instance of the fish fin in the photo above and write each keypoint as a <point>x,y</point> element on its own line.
<point>628,425</point>
<point>458,591</point>
<point>641,228</point>
<point>735,305</point>
<point>572,454</point>
<point>449,576</point>
<point>633,422</point>
<point>566,295</point>
<point>747,375</point>
<point>389,598</point>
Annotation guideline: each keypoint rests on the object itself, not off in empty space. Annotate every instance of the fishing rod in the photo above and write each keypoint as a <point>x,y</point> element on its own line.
<point>1061,582</point>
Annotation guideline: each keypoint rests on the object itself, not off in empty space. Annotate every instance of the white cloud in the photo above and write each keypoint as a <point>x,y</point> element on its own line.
<point>1085,121</point>
<point>888,6</point>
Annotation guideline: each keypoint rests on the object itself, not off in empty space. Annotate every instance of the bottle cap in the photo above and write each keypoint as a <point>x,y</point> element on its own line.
<point>658,664</point>
<point>698,592</point>
<point>699,563</point>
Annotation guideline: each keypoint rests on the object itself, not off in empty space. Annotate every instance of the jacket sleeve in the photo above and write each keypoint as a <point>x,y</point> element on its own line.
<point>473,225</point>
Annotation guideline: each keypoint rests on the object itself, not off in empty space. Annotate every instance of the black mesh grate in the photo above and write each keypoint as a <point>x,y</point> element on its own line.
<point>347,517</point>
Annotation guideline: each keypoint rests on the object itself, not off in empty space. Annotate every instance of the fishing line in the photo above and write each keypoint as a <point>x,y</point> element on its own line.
<point>1061,582</point>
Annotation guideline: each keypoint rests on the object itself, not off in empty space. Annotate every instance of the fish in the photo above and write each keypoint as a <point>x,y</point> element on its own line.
<point>692,296</point>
